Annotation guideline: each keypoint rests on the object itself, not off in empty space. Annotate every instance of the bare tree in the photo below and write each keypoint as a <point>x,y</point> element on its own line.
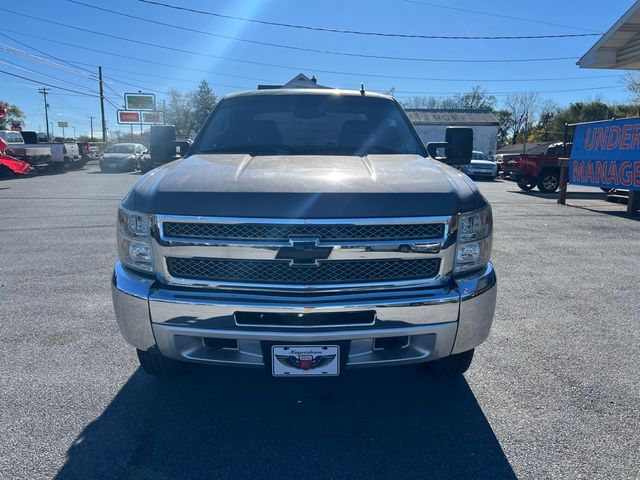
<point>180,111</point>
<point>421,102</point>
<point>632,80</point>
<point>523,108</point>
<point>476,98</point>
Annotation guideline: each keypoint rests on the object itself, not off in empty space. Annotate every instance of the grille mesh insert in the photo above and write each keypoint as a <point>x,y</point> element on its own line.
<point>281,272</point>
<point>282,232</point>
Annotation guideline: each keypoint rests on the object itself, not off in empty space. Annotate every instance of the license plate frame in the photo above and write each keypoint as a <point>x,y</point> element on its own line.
<point>305,360</point>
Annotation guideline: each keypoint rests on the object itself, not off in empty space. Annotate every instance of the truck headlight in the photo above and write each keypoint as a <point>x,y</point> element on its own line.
<point>134,240</point>
<point>474,240</point>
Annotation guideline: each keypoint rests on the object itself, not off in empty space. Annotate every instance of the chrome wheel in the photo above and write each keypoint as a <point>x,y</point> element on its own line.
<point>549,183</point>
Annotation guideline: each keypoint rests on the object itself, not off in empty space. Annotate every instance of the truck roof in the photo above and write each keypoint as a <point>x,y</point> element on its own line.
<point>308,91</point>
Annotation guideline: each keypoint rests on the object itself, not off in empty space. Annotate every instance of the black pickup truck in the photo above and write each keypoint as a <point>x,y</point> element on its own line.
<point>307,231</point>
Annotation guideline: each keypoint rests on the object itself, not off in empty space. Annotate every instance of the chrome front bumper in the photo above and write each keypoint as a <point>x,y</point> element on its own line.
<point>438,321</point>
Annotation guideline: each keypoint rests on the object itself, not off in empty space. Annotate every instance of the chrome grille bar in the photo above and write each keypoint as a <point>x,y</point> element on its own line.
<point>337,254</point>
<point>281,272</point>
<point>271,232</point>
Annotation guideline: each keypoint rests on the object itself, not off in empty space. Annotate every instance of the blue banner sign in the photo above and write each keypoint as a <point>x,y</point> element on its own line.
<point>606,154</point>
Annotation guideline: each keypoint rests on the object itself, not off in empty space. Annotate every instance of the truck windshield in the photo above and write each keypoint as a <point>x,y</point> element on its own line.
<point>120,149</point>
<point>297,124</point>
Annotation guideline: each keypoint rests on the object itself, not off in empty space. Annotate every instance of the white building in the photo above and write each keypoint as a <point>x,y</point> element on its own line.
<point>431,125</point>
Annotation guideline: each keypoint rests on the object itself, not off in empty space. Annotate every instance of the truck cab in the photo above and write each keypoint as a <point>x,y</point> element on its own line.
<point>306,231</point>
<point>11,137</point>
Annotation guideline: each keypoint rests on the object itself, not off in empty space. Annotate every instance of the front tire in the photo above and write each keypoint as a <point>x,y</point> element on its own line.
<point>526,186</point>
<point>153,363</point>
<point>549,182</point>
<point>453,365</point>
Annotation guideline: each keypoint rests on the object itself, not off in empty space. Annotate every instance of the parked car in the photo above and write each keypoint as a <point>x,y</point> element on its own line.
<point>542,171</point>
<point>253,249</point>
<point>122,157</point>
<point>481,167</point>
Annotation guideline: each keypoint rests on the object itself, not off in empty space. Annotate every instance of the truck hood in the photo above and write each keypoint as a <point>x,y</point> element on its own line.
<point>294,186</point>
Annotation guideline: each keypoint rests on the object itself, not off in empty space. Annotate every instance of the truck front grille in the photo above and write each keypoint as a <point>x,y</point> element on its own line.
<point>282,272</point>
<point>282,232</point>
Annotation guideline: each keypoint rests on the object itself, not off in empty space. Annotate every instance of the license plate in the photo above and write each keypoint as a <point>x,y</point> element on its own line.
<point>305,360</point>
<point>113,165</point>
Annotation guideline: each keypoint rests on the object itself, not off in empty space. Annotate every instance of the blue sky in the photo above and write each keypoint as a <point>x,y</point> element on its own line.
<point>227,74</point>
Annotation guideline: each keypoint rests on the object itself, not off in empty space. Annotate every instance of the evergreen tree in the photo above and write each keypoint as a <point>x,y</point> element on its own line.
<point>204,99</point>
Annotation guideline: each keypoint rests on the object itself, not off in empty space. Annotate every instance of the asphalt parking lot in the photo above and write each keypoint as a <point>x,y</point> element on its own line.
<point>553,393</point>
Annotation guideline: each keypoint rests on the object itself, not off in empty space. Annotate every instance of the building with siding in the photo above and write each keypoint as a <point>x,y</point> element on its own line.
<point>431,125</point>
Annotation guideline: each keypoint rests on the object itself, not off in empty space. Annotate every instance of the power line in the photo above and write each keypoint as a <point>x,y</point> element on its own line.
<point>264,64</point>
<point>367,33</point>
<point>34,72</point>
<point>137,59</point>
<point>43,61</point>
<point>74,69</point>
<point>235,86</point>
<point>254,42</point>
<point>431,79</point>
<point>72,107</point>
<point>407,92</point>
<point>510,93</point>
<point>288,67</point>
<point>498,15</point>
<point>47,84</point>
<point>58,79</point>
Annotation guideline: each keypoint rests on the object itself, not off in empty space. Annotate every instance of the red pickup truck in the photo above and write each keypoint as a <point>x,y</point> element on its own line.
<point>537,170</point>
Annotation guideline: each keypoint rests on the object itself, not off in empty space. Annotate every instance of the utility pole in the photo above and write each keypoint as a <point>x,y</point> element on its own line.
<point>91,122</point>
<point>104,123</point>
<point>44,91</point>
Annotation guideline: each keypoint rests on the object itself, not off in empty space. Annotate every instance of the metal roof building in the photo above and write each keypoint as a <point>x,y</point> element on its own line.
<point>451,117</point>
<point>532,148</point>
<point>431,124</point>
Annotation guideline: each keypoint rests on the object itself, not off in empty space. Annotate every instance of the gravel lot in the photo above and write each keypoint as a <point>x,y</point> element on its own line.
<point>554,392</point>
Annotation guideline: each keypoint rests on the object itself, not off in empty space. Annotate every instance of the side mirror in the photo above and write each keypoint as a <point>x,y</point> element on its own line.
<point>458,146</point>
<point>183,147</point>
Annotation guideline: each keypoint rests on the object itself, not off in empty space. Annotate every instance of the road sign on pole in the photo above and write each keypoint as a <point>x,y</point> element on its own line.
<point>139,101</point>
<point>63,125</point>
<point>153,118</point>
<point>128,117</point>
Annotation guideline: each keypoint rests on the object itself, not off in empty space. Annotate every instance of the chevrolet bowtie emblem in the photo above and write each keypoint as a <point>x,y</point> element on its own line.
<point>304,251</point>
